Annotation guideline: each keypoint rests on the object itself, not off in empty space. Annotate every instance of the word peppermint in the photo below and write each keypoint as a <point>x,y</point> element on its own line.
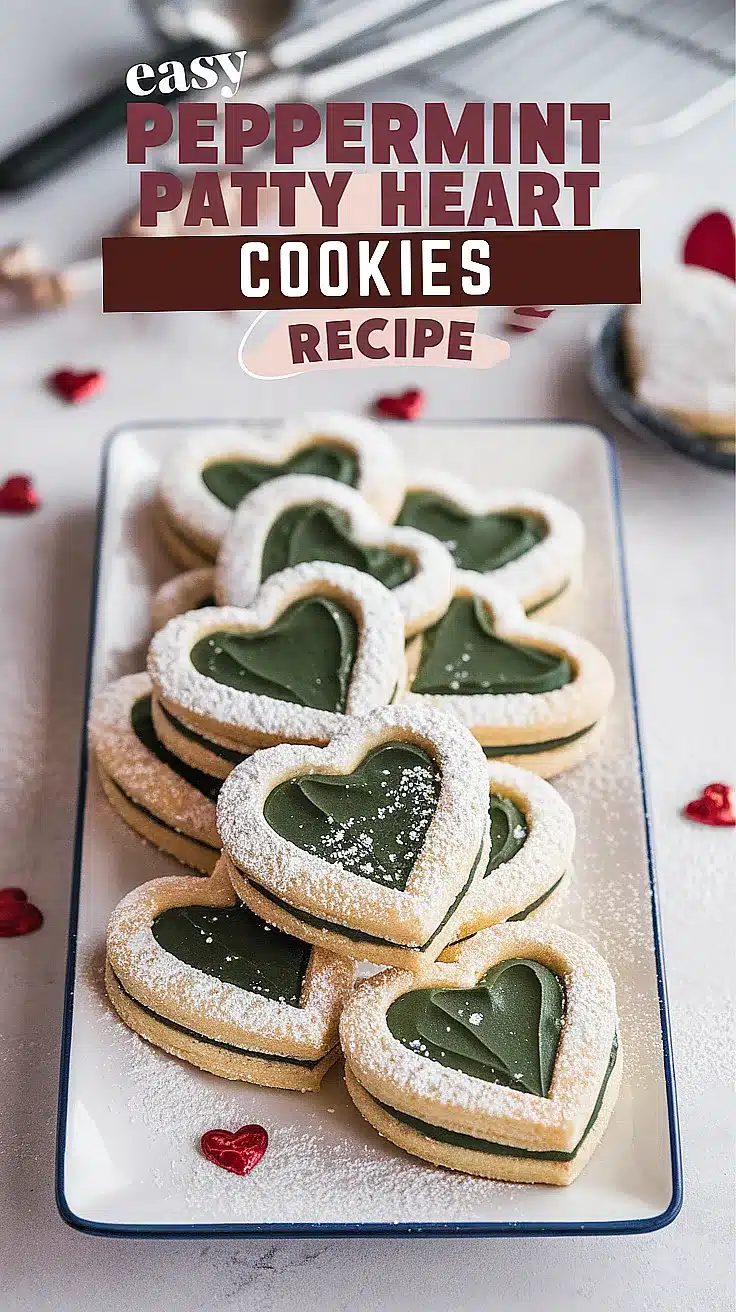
<point>383,134</point>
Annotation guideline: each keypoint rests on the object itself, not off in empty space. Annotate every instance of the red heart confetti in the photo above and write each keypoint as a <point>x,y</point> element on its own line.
<point>74,387</point>
<point>525,318</point>
<point>17,914</point>
<point>18,496</point>
<point>711,244</point>
<point>713,807</point>
<point>408,405</point>
<point>235,1150</point>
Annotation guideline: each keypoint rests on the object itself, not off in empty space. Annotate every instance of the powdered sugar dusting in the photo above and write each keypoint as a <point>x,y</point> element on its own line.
<point>378,668</point>
<point>525,717</point>
<point>139,773</point>
<point>408,1080</point>
<point>150,1109</point>
<point>313,1163</point>
<point>422,599</point>
<point>544,857</point>
<point>190,997</point>
<point>459,826</point>
<point>182,593</point>
<point>348,844</point>
<point>550,564</point>
<point>195,511</point>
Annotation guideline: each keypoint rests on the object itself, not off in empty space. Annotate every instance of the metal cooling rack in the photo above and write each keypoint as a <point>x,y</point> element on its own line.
<point>664,65</point>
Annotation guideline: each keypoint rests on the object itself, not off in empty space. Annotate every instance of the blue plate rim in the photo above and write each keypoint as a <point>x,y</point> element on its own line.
<point>420,1229</point>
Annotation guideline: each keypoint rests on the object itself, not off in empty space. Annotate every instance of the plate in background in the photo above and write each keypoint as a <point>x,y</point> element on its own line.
<point>610,381</point>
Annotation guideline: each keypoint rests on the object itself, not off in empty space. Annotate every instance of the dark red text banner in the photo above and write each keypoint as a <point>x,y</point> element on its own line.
<point>418,270</point>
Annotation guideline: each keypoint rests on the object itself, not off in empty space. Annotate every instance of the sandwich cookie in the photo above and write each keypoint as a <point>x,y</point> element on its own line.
<point>370,846</point>
<point>320,642</point>
<point>680,345</point>
<point>532,695</point>
<point>505,1063</point>
<point>163,799</point>
<point>215,756</point>
<point>204,478</point>
<point>180,548</point>
<point>192,590</point>
<point>197,974</point>
<point>299,518</point>
<point>529,542</point>
<point>532,842</point>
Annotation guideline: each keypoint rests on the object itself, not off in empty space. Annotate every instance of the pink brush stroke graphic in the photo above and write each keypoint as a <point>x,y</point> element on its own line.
<point>360,211</point>
<point>271,358</point>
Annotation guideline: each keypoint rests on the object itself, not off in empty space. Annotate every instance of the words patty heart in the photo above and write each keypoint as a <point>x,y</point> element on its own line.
<point>235,1150</point>
<point>17,914</point>
<point>408,405</point>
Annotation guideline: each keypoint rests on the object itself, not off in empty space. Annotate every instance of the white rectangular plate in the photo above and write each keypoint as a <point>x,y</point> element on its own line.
<point>130,1117</point>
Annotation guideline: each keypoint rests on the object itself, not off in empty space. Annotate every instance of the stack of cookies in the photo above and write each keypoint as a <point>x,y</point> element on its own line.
<point>347,723</point>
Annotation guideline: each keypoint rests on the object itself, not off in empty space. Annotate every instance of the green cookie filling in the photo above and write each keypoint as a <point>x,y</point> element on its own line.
<point>462,655</point>
<point>231,480</point>
<point>305,657</point>
<point>317,531</point>
<point>477,542</point>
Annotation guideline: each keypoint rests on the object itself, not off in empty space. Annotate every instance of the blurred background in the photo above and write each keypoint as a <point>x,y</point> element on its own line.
<point>665,66</point>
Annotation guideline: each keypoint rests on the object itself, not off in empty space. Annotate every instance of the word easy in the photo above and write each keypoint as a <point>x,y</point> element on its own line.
<point>204,73</point>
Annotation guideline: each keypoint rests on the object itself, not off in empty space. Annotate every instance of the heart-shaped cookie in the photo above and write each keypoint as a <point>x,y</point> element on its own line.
<point>369,846</point>
<point>204,478</point>
<point>532,842</point>
<point>320,641</point>
<point>680,348</point>
<point>530,543</point>
<point>165,800</point>
<point>235,1150</point>
<point>196,973</point>
<point>299,518</point>
<point>533,695</point>
<point>505,1064</point>
<point>192,590</point>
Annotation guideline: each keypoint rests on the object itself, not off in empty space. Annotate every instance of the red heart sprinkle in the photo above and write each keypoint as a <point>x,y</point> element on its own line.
<point>408,405</point>
<point>713,807</point>
<point>73,387</point>
<point>711,244</point>
<point>235,1150</point>
<point>17,914</point>
<point>18,496</point>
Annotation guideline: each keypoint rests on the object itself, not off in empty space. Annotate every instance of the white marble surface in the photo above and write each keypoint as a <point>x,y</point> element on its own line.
<point>679,535</point>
